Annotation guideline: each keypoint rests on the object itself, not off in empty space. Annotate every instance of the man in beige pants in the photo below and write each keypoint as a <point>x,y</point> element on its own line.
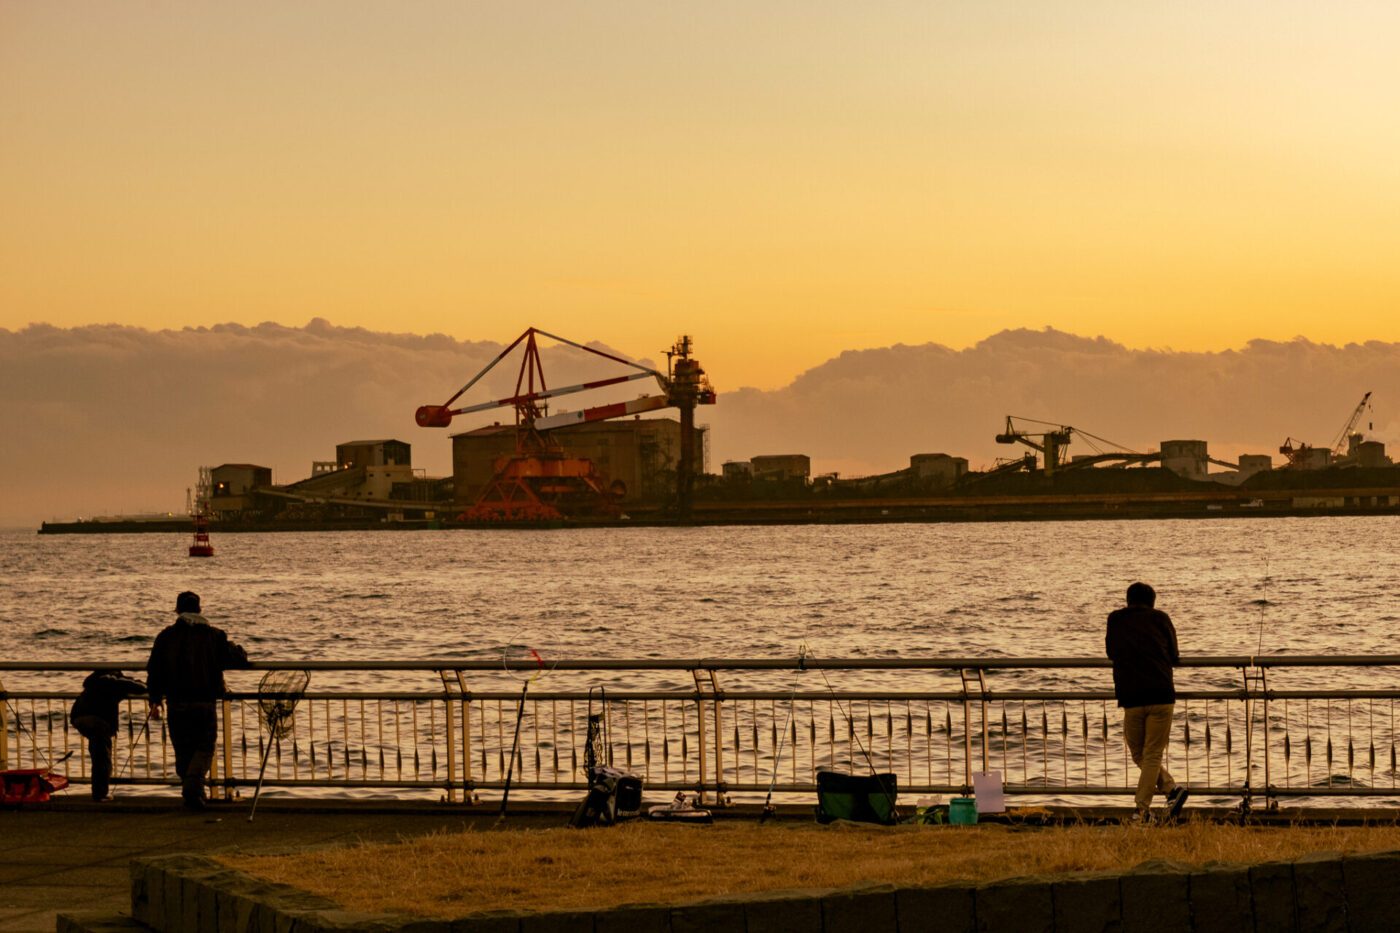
<point>1141,642</point>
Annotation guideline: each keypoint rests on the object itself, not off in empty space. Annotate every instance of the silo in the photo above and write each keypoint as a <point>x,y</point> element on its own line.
<point>1185,458</point>
<point>1255,463</point>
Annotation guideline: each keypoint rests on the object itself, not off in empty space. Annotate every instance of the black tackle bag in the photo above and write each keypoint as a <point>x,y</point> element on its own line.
<point>613,797</point>
<point>863,799</point>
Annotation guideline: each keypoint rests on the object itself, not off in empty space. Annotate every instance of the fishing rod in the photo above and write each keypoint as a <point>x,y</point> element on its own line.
<point>34,738</point>
<point>517,653</point>
<point>768,808</point>
<point>1246,800</point>
<point>131,746</point>
<point>885,789</point>
<point>1263,604</point>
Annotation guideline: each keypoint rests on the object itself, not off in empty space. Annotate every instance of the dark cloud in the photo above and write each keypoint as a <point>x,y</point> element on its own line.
<point>108,418</point>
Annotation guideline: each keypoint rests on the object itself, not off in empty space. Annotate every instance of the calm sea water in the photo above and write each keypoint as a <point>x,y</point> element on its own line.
<point>1300,586</point>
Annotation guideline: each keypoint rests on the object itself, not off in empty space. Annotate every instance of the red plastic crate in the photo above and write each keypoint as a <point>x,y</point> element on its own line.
<point>29,785</point>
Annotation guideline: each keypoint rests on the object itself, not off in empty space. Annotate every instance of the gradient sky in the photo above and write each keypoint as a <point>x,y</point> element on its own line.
<point>783,180</point>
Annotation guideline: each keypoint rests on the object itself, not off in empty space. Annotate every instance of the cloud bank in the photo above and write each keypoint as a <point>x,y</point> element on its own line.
<point>111,419</point>
<point>117,420</point>
<point>869,410</point>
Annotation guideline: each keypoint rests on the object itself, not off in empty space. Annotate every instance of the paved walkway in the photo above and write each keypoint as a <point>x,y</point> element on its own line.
<point>73,855</point>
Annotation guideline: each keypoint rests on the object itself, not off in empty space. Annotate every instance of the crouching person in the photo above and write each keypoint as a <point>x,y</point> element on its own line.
<point>94,715</point>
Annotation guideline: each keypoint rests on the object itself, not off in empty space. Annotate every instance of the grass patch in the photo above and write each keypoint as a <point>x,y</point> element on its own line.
<point>455,873</point>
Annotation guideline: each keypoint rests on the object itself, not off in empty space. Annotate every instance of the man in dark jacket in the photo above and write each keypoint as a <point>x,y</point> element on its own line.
<point>95,717</point>
<point>186,668</point>
<point>1141,642</point>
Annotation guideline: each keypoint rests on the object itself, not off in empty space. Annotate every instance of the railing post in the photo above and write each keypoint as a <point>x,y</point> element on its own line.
<point>972,679</point>
<point>468,795</point>
<point>227,710</point>
<point>5,729</point>
<point>450,743</point>
<point>701,752</point>
<point>721,797</point>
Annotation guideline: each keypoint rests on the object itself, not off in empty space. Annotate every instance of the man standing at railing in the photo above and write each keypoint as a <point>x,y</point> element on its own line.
<point>187,667</point>
<point>1141,642</point>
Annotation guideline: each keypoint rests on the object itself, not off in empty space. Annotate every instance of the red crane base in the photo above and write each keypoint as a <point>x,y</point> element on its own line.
<point>541,489</point>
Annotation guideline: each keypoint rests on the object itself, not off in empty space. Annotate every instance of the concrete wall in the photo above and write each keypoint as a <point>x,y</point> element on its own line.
<point>1322,892</point>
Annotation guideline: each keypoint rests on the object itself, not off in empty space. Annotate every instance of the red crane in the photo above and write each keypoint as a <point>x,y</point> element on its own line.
<point>541,482</point>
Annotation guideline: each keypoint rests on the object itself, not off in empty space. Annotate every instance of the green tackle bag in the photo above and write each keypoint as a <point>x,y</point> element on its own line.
<point>864,799</point>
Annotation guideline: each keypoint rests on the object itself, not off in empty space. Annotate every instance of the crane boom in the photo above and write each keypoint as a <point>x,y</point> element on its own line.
<point>1340,443</point>
<point>527,401</point>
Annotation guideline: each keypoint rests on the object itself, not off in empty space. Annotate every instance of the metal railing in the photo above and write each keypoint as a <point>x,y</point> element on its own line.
<point>781,722</point>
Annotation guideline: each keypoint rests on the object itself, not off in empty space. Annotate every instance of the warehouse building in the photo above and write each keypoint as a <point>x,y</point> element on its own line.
<point>636,459</point>
<point>232,487</point>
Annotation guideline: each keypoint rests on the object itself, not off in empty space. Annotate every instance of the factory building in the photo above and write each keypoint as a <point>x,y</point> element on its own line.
<point>232,485</point>
<point>373,454</point>
<point>377,470</point>
<point>1364,453</point>
<point>636,459</point>
<point>781,467</point>
<point>1255,463</point>
<point>736,470</point>
<point>937,470</point>
<point>1310,458</point>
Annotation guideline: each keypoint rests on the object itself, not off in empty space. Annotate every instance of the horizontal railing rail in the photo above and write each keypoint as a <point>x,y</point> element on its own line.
<point>1248,741</point>
<point>738,664</point>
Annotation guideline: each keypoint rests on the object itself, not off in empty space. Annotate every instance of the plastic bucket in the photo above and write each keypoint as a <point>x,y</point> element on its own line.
<point>962,810</point>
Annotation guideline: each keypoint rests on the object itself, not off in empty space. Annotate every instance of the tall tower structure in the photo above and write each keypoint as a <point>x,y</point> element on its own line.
<point>687,387</point>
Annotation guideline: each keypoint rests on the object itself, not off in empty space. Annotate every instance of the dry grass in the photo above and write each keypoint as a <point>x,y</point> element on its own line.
<point>453,874</point>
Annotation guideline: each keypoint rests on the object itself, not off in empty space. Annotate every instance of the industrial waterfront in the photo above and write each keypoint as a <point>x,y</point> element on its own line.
<point>606,465</point>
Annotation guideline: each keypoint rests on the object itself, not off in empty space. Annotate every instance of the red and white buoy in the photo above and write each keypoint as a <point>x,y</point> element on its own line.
<point>201,546</point>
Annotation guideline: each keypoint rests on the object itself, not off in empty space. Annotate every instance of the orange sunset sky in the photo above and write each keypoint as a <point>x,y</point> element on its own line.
<point>784,180</point>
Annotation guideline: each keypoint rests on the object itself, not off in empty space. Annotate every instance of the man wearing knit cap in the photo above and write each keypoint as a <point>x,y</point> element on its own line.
<point>186,672</point>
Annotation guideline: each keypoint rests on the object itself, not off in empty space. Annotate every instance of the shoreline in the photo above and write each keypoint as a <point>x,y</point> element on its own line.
<point>1290,503</point>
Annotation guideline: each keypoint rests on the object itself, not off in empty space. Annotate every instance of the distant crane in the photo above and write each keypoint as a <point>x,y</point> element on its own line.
<point>1050,445</point>
<point>1297,451</point>
<point>1339,445</point>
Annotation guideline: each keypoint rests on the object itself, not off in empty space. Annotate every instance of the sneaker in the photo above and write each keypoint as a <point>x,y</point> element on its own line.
<point>1176,797</point>
<point>1142,818</point>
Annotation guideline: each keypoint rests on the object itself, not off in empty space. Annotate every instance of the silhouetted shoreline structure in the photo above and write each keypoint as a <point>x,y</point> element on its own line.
<point>372,484</point>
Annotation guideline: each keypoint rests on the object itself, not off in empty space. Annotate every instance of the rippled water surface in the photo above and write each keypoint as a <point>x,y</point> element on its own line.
<point>1301,586</point>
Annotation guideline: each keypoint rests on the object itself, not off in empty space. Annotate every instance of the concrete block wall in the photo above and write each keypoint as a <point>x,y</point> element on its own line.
<point>1324,892</point>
